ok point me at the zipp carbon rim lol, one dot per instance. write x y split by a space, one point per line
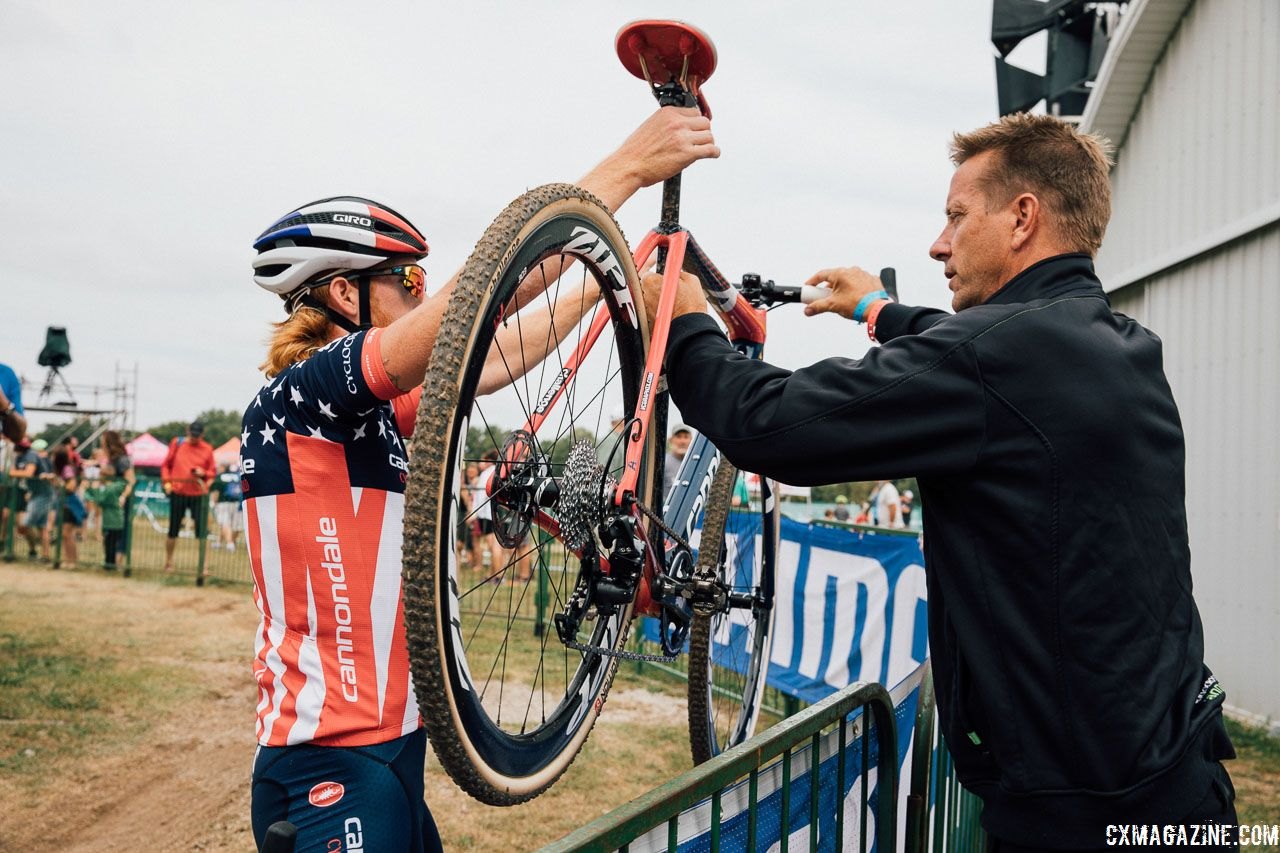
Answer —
507 706
729 652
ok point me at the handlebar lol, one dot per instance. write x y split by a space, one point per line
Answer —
767 294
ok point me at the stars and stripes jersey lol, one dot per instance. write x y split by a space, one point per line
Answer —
323 462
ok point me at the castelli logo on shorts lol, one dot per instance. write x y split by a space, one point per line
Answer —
326 794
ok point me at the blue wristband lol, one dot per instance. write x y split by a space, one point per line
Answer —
861 309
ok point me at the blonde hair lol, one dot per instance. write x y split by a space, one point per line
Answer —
1066 169
295 339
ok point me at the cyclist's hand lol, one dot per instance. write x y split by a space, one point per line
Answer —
848 286
689 297
667 142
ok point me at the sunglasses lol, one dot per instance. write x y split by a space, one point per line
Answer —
413 278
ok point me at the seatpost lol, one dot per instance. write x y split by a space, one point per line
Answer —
671 94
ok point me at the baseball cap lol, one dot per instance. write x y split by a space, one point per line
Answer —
196 428
39 444
841 499
681 428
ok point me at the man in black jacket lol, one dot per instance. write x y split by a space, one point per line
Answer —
1067 648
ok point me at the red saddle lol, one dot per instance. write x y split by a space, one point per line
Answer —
662 51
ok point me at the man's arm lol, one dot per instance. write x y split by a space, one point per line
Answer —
852 287
913 408
667 142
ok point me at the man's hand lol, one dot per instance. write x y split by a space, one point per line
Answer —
848 286
668 141
690 298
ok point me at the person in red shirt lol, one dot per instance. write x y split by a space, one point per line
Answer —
187 471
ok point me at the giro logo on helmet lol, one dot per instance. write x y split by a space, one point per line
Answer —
351 218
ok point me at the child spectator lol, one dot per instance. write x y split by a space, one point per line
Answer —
109 494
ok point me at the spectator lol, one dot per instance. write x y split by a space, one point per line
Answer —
67 476
908 504
1067 648
185 476
864 513
228 510
32 467
888 511
13 420
465 542
120 465
108 492
677 447
842 508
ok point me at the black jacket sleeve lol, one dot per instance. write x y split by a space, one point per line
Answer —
914 407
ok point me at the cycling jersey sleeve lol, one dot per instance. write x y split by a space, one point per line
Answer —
342 380
406 408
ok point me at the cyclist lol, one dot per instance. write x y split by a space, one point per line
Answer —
341 746
1067 648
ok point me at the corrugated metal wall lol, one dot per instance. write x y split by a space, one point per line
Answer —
1196 202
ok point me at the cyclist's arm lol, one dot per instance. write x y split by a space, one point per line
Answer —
15 424
663 145
915 407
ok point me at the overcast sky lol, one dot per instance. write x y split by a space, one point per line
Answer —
145 145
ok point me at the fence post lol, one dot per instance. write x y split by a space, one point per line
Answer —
127 568
202 535
540 592
10 503
57 524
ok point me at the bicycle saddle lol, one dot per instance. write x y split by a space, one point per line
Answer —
662 51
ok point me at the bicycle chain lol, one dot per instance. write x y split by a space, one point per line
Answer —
620 653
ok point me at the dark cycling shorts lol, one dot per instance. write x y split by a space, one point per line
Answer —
362 798
178 505
486 526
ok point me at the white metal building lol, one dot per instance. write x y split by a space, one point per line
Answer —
1190 94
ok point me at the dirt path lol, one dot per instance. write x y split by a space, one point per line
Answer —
169 767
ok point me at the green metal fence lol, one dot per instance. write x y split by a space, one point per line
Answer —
205 548
940 814
784 743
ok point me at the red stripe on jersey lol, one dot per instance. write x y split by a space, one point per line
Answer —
342 558
375 373
406 409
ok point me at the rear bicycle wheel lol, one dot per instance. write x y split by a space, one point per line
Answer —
729 651
506 704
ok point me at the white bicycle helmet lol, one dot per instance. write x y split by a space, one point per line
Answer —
329 237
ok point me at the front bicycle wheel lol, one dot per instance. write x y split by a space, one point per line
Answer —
506 704
729 650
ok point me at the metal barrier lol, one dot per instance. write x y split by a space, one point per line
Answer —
620 827
940 814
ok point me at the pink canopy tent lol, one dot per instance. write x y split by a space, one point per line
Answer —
227 453
147 451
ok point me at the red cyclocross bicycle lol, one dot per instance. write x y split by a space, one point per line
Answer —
512 658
